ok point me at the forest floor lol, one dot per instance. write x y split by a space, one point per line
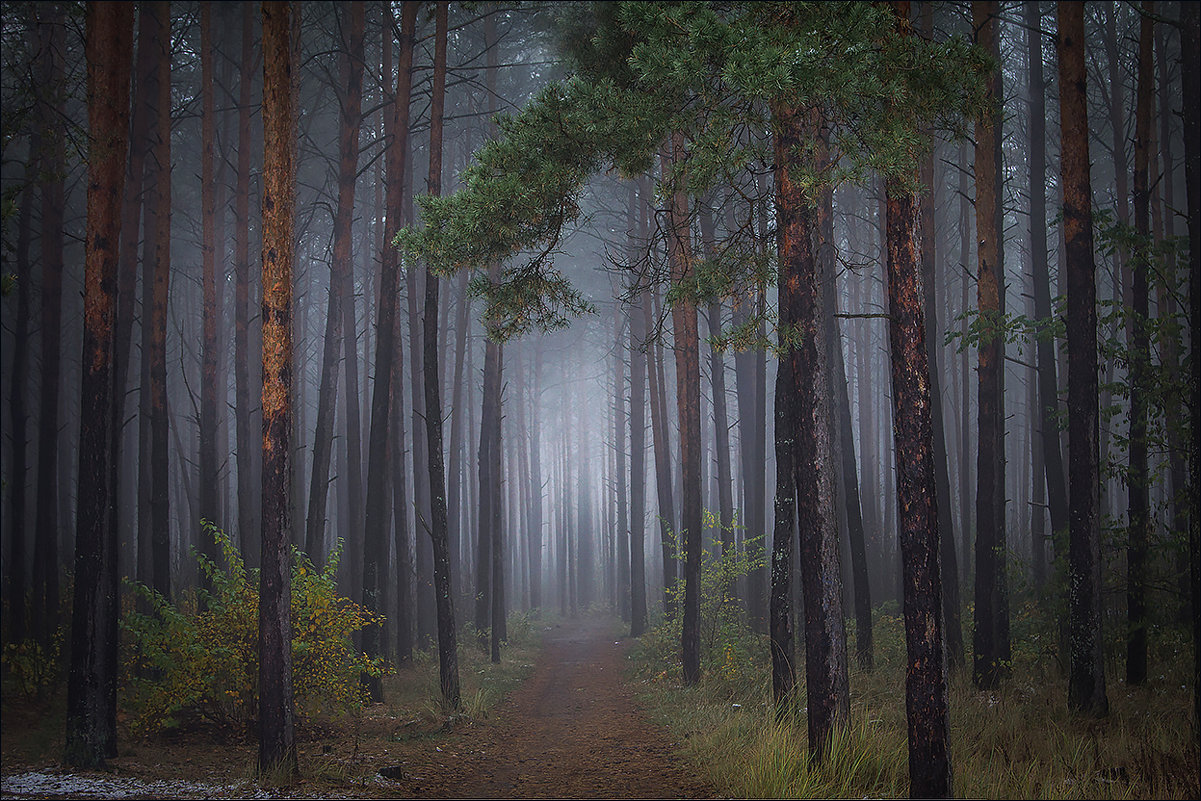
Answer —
573 728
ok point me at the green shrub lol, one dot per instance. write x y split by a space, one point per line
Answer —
200 656
33 667
730 650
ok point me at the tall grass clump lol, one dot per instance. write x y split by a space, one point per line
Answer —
1019 741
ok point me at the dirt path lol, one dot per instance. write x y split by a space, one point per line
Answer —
572 730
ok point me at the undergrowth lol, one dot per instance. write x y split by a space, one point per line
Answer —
1019 741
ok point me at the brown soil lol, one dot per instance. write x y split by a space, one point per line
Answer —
572 730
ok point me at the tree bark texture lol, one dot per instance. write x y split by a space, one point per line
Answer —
990 640
53 168
803 344
341 277
1138 529
926 702
1048 384
379 488
91 691
1086 679
688 400
277 743
448 661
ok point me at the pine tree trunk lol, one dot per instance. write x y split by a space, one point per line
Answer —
687 351
341 276
990 640
1048 384
14 578
843 436
208 370
1140 358
249 447
1190 47
53 166
1086 682
620 415
803 344
379 490
91 691
277 744
447 650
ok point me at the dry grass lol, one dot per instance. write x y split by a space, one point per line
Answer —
1017 742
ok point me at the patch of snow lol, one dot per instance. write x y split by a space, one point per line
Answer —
42 784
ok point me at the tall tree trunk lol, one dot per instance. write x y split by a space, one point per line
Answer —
400 508
53 166
638 349
1086 682
14 579
536 488
721 425
916 415
965 439
1190 47
154 517
990 640
378 506
123 324
662 455
91 721
803 344
917 504
843 436
496 511
1140 357
208 369
948 571
447 650
249 447
621 586
688 391
277 743
340 278
1048 384
781 623
1164 226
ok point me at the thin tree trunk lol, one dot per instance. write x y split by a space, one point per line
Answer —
1190 47
340 278
15 580
249 448
53 161
1140 358
843 435
447 650
378 506
208 371
156 284
638 348
1086 683
990 640
91 692
1048 385
688 391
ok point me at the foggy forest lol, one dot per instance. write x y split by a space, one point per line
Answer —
600 399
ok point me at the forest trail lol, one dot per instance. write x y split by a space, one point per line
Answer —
572 730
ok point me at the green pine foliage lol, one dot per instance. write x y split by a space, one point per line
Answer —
199 657
710 70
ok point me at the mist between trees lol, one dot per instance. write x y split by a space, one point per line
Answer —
556 306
